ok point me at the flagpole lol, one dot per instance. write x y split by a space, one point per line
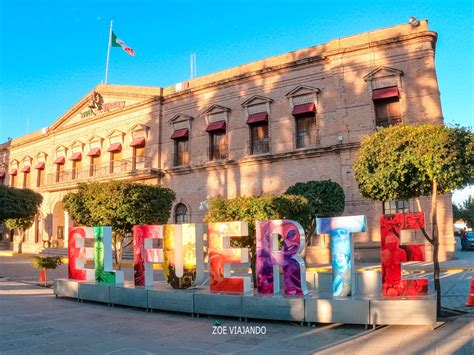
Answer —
108 54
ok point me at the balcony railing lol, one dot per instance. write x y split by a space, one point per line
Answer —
305 138
259 146
105 170
219 152
388 121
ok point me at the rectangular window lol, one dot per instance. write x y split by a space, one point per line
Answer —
181 152
94 166
218 146
398 206
12 180
115 161
138 159
305 131
2 180
259 142
76 169
26 180
59 172
387 112
39 177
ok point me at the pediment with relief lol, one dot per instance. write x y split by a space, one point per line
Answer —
96 104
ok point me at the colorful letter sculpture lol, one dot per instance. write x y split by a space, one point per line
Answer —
183 254
103 257
221 255
342 249
270 258
394 254
144 254
78 253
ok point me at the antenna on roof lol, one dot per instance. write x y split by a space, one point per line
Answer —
193 65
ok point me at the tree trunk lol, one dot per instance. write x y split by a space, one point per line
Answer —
435 238
253 264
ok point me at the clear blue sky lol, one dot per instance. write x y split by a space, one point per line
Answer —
52 53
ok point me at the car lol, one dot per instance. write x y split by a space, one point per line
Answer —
470 239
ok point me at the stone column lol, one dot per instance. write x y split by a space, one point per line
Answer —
66 228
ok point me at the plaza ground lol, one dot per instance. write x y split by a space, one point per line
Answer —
32 320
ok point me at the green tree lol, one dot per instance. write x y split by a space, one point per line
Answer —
457 215
18 208
325 198
466 212
257 208
18 203
403 162
120 205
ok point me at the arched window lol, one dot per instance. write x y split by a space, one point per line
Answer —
180 213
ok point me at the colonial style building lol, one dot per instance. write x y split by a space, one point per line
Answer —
253 129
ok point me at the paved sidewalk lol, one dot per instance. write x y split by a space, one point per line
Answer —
33 321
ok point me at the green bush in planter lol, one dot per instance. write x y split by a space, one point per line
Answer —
46 262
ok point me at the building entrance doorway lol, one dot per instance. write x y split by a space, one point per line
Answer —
58 226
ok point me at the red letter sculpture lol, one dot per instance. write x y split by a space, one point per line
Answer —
221 255
394 254
144 254
78 252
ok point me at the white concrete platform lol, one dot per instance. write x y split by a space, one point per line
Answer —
317 307
218 304
66 288
406 311
89 291
276 307
165 298
128 295
324 308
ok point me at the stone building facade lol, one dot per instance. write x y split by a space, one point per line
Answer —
254 129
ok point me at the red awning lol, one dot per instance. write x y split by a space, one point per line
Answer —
180 134
94 152
13 172
257 117
138 142
60 160
2 174
115 148
216 126
40 166
26 169
304 108
76 157
385 93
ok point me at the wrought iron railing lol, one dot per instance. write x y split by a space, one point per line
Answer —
219 152
306 138
388 121
259 146
103 170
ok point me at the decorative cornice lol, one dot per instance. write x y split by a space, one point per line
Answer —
267 158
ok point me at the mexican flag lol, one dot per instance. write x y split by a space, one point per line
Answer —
117 42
